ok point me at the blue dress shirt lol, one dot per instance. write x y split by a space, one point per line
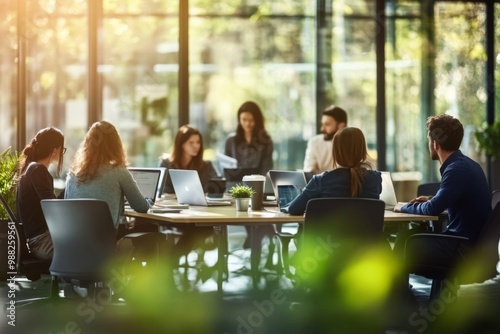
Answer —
464 192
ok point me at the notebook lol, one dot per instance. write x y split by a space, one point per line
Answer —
149 180
285 177
388 195
188 189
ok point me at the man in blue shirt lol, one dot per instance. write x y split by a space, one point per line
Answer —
464 191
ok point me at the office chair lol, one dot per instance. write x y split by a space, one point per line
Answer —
83 235
26 264
349 222
460 264
428 189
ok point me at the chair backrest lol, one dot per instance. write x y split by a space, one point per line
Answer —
495 197
83 235
428 189
345 218
484 256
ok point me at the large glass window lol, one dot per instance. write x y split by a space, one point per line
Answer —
258 51
139 71
56 69
460 67
8 79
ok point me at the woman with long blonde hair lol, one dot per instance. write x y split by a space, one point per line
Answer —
99 171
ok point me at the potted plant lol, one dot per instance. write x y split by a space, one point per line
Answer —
8 167
488 139
241 195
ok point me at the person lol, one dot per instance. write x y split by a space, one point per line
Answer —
318 157
352 176
188 154
251 145
99 171
36 183
464 192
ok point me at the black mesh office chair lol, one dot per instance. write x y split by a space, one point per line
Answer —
460 265
25 264
84 236
349 222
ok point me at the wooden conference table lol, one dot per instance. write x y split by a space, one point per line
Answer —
221 216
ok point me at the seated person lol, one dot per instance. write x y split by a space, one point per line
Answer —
34 184
188 154
100 171
463 192
352 176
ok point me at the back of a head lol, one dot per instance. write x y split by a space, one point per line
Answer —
102 146
445 130
337 113
41 146
349 147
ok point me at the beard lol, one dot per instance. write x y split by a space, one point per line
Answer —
434 155
328 136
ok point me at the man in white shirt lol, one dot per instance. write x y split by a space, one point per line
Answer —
319 148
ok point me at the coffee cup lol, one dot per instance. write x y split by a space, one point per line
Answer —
257 183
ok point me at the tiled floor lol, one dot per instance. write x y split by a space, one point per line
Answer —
190 304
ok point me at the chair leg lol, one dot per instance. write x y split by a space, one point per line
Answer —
436 288
286 258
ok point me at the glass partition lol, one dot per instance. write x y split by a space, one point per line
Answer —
139 71
263 53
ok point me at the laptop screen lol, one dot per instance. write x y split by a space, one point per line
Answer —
388 194
285 177
148 180
287 193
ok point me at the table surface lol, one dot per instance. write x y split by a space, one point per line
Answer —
223 215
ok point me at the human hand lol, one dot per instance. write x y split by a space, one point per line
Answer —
420 199
397 207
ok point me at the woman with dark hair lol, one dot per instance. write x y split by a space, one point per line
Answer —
251 145
352 175
100 171
188 154
36 183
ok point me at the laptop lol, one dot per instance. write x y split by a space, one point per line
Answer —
188 189
286 194
149 180
285 177
388 194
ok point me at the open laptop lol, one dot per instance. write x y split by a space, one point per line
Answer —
286 177
188 189
286 194
149 180
388 194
